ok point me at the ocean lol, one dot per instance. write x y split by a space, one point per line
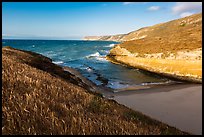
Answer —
88 57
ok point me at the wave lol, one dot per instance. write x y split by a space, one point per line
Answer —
89 69
110 46
103 58
58 62
116 85
104 51
160 83
51 54
97 56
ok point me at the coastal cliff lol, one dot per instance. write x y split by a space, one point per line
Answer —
173 49
39 97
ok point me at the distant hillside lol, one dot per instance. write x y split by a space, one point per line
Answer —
39 97
106 38
162 29
173 48
181 34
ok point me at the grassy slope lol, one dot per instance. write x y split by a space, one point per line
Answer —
176 35
38 97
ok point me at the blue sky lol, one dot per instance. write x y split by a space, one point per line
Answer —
74 20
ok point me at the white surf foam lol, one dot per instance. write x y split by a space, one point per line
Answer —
111 45
104 51
97 54
58 62
117 85
157 83
101 58
89 69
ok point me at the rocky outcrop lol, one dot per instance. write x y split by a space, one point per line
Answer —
173 49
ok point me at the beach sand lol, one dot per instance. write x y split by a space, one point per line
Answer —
176 105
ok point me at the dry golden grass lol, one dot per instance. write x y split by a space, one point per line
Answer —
168 37
38 97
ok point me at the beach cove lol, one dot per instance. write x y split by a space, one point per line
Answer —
39 97
102 68
158 99
178 105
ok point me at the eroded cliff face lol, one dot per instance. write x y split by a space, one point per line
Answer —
173 49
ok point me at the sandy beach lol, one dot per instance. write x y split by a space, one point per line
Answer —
179 105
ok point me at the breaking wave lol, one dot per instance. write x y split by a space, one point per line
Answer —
97 56
58 62
110 46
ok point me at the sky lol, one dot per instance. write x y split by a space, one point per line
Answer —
74 20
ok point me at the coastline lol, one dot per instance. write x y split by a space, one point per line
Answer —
64 86
151 65
178 105
141 74
91 86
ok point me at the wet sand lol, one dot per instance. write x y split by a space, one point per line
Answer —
178 105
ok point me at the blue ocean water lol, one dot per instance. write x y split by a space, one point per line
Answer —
88 57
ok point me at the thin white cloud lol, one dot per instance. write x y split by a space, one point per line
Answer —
3 35
184 14
127 3
187 8
130 3
154 8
